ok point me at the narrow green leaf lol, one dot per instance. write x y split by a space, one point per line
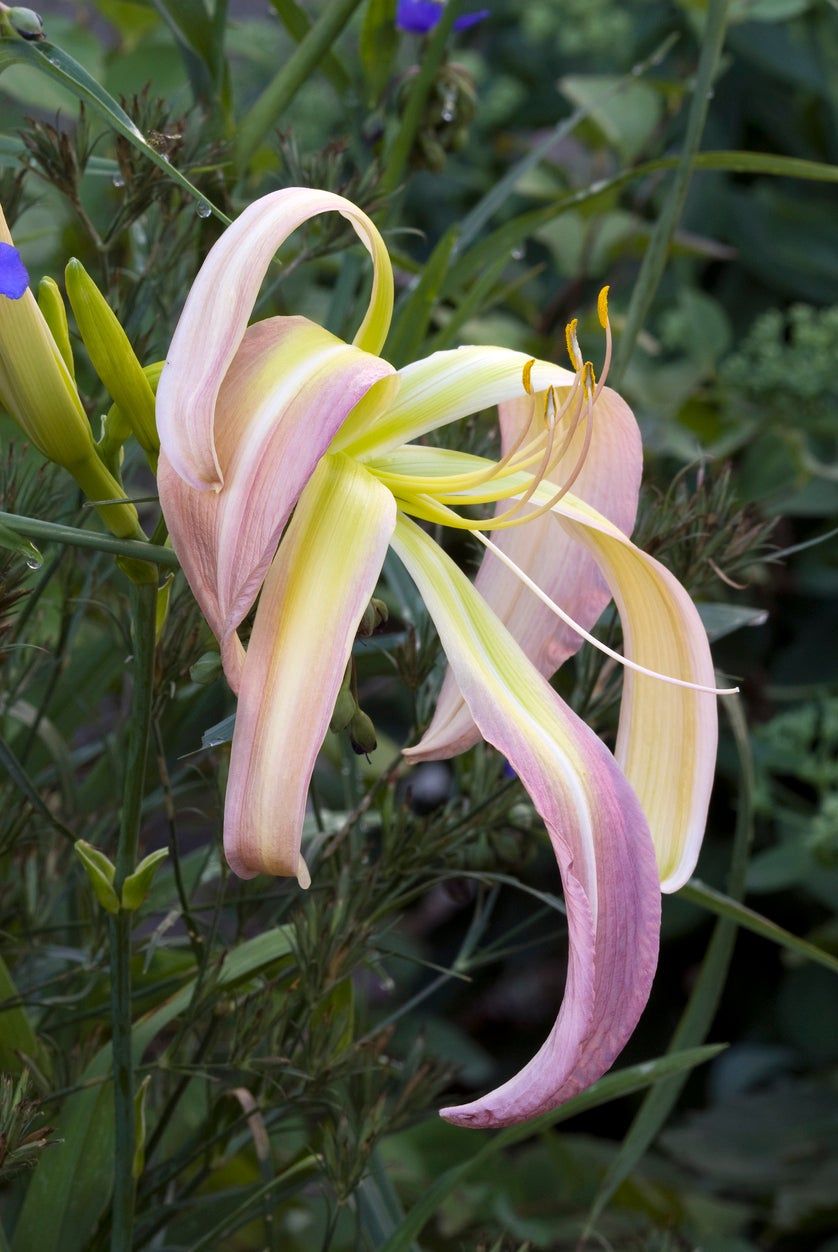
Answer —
414 312
59 66
24 784
17 1036
521 227
620 1083
698 1015
274 100
298 23
655 256
727 907
71 1185
378 45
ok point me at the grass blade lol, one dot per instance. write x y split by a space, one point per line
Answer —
655 258
727 907
414 312
704 1000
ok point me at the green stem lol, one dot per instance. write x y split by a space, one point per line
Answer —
299 67
654 262
54 532
399 153
143 605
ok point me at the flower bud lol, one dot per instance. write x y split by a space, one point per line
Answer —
206 669
112 356
345 705
39 392
55 315
362 734
25 23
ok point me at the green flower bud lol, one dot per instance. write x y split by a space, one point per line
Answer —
112 356
362 734
51 305
24 22
345 710
206 669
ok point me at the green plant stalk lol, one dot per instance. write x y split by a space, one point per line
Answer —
282 89
143 608
399 152
654 262
74 537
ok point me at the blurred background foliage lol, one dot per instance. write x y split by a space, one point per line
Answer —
292 1050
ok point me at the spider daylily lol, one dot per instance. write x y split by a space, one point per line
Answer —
281 420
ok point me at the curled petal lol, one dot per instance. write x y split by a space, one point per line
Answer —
286 392
314 597
215 316
667 735
563 568
596 826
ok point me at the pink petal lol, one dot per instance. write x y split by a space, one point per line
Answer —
218 308
553 558
286 392
314 597
596 826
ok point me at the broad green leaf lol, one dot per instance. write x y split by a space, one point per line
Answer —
723 619
72 1183
620 1083
59 67
627 120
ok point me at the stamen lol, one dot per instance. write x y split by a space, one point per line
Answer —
580 630
573 344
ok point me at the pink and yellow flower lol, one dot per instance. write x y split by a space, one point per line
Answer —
290 463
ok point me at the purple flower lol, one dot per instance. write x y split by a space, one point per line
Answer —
420 16
13 276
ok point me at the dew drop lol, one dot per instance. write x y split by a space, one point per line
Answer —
118 181
518 253
203 209
34 562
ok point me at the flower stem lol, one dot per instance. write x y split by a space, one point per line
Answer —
143 604
54 532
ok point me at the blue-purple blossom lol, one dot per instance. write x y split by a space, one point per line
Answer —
420 16
13 276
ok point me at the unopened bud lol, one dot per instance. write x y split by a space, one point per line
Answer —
345 710
362 734
112 356
375 614
206 669
51 305
25 23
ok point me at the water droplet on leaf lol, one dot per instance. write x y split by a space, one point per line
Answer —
118 181
203 209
